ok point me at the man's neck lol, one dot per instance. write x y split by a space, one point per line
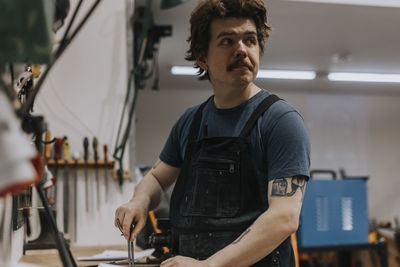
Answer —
228 97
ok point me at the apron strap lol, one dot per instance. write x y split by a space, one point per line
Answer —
261 108
195 126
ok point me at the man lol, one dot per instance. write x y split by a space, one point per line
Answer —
240 160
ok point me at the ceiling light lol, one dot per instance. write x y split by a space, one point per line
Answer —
267 74
364 77
286 74
385 3
183 70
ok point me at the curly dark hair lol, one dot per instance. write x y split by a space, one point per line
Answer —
209 10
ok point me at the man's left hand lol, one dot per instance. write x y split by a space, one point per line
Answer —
180 261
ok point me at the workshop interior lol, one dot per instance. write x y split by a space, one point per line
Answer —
89 91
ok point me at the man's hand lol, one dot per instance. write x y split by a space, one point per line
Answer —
147 196
130 213
180 261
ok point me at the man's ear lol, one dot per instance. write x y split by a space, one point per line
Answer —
201 61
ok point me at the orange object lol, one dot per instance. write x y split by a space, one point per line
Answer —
156 230
35 70
47 139
293 239
372 236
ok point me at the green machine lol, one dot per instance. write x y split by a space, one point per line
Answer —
171 3
26 31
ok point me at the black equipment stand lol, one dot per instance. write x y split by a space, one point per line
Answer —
62 246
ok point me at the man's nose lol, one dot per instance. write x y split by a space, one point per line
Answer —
240 50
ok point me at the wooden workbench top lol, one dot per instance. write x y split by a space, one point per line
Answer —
50 258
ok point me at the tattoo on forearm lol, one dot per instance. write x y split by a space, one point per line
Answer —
299 182
280 187
241 236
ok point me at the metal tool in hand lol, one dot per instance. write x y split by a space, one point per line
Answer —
131 246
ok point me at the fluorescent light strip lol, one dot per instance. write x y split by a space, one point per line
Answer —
364 77
267 74
382 3
286 74
183 70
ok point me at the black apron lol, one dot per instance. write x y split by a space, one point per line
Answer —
216 196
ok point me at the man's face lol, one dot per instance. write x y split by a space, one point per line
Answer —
233 52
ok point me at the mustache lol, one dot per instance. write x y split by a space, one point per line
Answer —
238 63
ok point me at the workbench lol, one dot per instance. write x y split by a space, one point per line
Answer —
50 258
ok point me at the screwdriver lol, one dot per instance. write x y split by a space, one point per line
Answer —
95 145
66 183
76 158
105 148
47 152
85 158
57 156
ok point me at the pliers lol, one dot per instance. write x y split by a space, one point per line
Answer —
131 246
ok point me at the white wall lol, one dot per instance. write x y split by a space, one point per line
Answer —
356 132
83 96
384 156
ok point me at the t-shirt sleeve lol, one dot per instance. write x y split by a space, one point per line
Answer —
170 154
288 147
174 149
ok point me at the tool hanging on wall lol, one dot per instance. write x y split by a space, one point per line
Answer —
95 145
48 178
47 148
105 151
65 150
90 166
75 204
57 156
85 158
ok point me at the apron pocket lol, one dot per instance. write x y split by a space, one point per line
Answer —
214 193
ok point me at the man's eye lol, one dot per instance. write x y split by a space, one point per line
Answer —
226 41
251 41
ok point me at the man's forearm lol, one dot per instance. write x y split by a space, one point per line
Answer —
148 192
154 184
256 242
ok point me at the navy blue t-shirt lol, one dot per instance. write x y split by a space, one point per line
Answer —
279 141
